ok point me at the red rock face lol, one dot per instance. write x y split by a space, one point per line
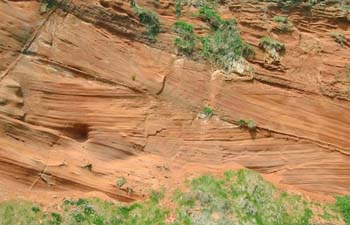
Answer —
80 86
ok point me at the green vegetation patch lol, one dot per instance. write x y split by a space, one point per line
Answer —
26 213
210 16
273 47
347 72
280 19
343 206
343 4
283 24
149 19
268 44
239 197
186 41
285 5
288 5
339 38
85 212
180 4
46 5
198 3
208 112
250 124
225 47
121 181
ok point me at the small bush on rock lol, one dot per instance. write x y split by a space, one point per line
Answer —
210 15
185 43
283 24
121 181
208 112
46 5
225 47
273 47
250 124
150 20
339 38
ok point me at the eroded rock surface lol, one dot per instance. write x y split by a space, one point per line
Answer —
84 99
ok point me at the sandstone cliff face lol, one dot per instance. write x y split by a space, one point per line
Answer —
84 99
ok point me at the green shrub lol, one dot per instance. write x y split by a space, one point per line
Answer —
150 20
95 212
272 47
206 47
81 201
184 47
283 24
197 3
268 44
121 181
280 19
56 219
250 124
178 7
345 5
182 28
208 112
35 209
239 197
339 38
185 43
285 5
46 5
225 47
347 72
156 196
210 16
19 212
343 205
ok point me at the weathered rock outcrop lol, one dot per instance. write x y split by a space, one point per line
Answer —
85 99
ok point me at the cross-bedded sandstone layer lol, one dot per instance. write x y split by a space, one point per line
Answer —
84 99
